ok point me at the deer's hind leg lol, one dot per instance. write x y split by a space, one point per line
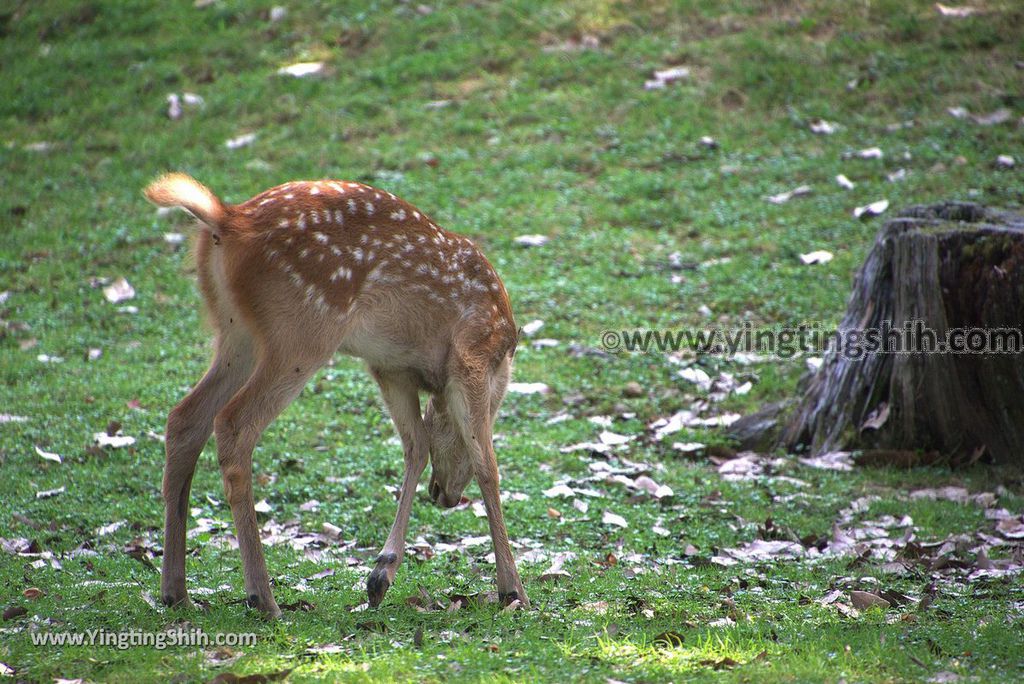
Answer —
282 369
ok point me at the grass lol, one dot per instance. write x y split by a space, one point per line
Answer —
531 135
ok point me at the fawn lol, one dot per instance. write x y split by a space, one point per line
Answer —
309 268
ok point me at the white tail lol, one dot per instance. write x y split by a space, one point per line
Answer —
304 270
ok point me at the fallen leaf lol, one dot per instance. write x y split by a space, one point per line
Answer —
697 376
656 490
111 528
116 441
862 600
822 127
49 456
609 518
532 327
173 107
243 140
664 77
614 439
784 197
302 69
997 117
1005 161
118 291
562 490
870 153
896 176
820 256
531 240
873 209
955 12
833 460
672 424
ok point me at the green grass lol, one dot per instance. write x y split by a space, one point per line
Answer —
534 139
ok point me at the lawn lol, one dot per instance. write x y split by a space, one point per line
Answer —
500 120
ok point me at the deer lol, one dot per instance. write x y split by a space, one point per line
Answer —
303 271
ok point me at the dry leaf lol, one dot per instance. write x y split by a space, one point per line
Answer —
49 456
845 182
862 600
115 441
533 326
819 256
822 127
49 493
302 69
784 197
531 240
955 12
118 291
243 140
873 209
609 518
664 77
562 490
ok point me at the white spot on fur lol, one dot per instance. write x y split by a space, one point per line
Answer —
314 190
369 208
398 215
301 222
352 206
335 250
357 254
321 238
339 217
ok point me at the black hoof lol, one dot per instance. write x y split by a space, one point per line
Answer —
376 586
173 601
507 598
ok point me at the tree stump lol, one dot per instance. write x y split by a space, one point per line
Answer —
942 268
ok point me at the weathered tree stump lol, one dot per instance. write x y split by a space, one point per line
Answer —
945 267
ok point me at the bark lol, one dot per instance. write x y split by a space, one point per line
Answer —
948 266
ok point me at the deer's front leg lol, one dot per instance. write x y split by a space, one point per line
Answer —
400 395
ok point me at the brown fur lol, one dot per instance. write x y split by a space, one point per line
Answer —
306 269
